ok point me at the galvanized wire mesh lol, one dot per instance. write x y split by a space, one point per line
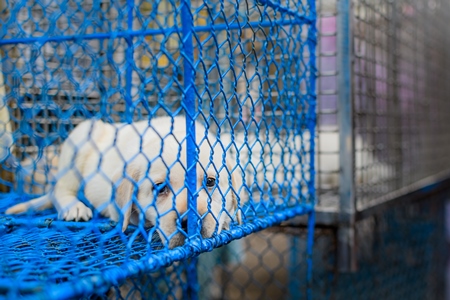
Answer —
226 92
400 94
399 71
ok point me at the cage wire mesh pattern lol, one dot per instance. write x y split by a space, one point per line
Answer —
400 95
398 88
172 127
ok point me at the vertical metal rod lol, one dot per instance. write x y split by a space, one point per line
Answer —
346 259
394 108
189 105
294 263
129 60
309 253
312 44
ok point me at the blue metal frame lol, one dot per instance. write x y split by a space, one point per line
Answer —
130 59
189 104
312 44
114 275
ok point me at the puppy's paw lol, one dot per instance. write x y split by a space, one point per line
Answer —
76 212
17 209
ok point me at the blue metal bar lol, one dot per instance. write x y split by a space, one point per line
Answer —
149 32
129 61
190 107
312 44
294 278
309 254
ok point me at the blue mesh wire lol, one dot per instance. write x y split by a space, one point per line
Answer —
243 71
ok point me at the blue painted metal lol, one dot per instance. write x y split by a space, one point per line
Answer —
115 256
312 46
130 62
309 254
20 231
151 32
294 278
189 104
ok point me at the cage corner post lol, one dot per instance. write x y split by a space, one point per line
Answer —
346 247
295 287
312 45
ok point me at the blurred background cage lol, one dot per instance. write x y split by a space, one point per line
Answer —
244 69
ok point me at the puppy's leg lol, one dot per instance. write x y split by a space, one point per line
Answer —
37 204
73 210
64 197
69 207
75 152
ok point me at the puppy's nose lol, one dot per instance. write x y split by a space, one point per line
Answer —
184 224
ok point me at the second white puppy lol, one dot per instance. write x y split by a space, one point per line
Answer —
103 161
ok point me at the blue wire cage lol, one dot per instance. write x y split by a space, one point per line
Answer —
237 76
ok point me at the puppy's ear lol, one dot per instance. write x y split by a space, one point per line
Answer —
236 181
124 193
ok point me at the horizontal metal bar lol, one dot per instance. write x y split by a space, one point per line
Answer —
149 32
412 192
328 216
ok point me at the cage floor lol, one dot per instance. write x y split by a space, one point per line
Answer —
38 253
43 258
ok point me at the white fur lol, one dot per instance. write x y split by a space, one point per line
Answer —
103 160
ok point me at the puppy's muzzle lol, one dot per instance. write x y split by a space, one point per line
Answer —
179 238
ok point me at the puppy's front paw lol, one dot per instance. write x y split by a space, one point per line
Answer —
76 212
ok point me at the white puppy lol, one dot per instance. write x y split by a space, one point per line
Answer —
101 161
